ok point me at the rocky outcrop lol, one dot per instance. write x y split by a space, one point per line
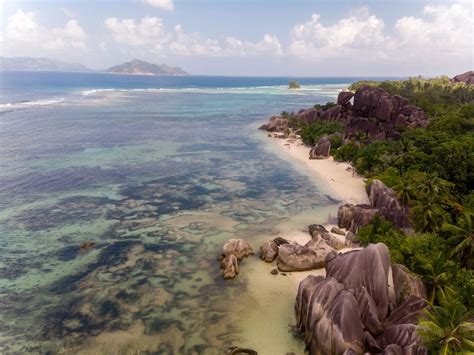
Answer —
296 257
275 124
353 310
383 202
374 114
321 149
354 217
467 78
406 283
344 98
233 252
269 249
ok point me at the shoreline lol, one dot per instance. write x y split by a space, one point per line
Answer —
337 177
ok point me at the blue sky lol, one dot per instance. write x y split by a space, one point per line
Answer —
273 37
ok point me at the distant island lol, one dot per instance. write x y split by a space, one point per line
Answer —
39 64
137 66
294 85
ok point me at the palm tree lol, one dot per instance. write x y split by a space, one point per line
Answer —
444 329
428 214
405 193
437 272
433 186
462 239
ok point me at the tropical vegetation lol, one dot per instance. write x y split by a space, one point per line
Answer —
432 172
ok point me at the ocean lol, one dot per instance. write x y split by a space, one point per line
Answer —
158 172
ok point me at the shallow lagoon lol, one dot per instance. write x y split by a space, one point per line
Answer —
159 180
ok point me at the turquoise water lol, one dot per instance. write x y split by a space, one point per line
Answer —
158 175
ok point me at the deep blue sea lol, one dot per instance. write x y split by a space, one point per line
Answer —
158 172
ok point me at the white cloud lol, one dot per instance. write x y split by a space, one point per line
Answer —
22 26
147 31
150 33
443 30
23 33
162 4
439 40
358 31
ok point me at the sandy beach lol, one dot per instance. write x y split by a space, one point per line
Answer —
338 177
273 296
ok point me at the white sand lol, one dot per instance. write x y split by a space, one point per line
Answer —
337 177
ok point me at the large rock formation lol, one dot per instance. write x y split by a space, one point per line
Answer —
383 202
354 217
296 257
375 114
355 309
233 252
467 77
321 149
269 249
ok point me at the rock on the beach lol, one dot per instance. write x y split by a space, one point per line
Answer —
333 241
238 247
353 310
314 229
268 251
321 149
275 124
296 257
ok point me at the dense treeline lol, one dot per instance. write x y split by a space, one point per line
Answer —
432 171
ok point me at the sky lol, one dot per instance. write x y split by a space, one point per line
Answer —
244 37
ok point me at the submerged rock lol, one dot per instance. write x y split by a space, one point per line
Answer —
238 247
353 310
229 266
233 252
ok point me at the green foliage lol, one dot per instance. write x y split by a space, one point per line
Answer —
347 152
310 133
432 172
294 84
444 329
325 106
461 239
